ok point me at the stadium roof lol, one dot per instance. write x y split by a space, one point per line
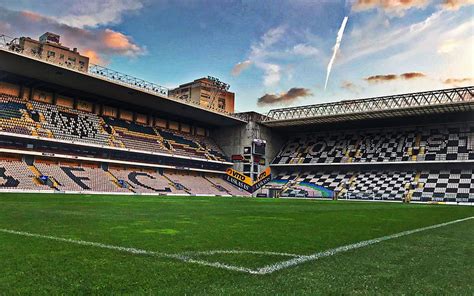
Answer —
99 82
404 105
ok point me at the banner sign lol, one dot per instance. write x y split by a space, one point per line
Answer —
262 179
244 182
238 179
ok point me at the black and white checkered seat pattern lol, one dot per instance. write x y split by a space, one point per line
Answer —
448 142
73 125
384 185
384 146
330 180
282 178
445 184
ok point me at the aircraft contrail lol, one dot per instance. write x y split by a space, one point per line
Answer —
335 49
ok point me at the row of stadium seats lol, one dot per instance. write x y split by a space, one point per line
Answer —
197 184
134 136
145 182
52 121
432 185
13 116
222 185
72 125
427 143
16 174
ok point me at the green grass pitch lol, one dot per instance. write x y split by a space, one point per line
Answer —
194 231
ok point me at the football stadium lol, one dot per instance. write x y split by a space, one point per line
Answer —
110 184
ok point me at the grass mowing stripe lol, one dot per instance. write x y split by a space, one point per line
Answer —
296 261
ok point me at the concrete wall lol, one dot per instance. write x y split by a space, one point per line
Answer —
233 140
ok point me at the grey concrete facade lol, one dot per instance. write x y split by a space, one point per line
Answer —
234 139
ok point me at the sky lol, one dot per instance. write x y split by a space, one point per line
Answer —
273 54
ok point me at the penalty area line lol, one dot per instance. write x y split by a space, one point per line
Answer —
297 261
186 257
134 251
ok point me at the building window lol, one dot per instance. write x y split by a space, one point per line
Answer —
51 54
221 103
204 103
61 56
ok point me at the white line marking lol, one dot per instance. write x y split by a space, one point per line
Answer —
296 261
213 252
130 250
299 259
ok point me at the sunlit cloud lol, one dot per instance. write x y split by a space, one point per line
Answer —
286 98
99 44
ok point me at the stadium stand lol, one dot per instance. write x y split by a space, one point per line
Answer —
145 181
70 177
78 177
383 185
133 140
195 184
14 116
436 142
425 185
52 121
225 187
135 136
15 174
72 125
193 146
445 184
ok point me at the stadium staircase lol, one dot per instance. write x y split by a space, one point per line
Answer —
416 184
116 181
38 174
218 187
177 186
290 183
113 141
351 182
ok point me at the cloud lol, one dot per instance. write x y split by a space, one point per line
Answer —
351 87
120 43
458 81
391 77
272 73
94 57
449 45
304 50
374 37
268 59
455 4
271 37
94 13
412 75
100 44
240 67
259 52
285 98
381 78
394 7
